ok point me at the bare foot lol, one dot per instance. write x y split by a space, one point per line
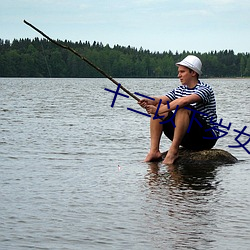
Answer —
170 157
153 156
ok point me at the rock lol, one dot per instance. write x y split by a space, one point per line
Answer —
204 157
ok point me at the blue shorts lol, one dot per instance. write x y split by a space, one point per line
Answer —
194 138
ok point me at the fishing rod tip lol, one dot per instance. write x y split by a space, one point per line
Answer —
26 22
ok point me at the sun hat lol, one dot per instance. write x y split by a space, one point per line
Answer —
191 62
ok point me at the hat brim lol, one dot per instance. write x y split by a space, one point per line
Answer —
190 66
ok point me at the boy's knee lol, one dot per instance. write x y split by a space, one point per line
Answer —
183 111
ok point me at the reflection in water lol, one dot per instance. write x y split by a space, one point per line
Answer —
183 177
183 196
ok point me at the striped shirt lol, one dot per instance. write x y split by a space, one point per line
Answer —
207 106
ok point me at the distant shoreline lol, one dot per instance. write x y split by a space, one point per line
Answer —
41 58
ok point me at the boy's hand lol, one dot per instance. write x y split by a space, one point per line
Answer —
151 109
145 102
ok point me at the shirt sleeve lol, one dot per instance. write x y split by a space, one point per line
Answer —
171 95
205 94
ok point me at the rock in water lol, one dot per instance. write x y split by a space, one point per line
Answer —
204 157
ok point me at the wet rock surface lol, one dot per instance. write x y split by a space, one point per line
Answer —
204 157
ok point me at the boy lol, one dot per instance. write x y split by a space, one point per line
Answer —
194 117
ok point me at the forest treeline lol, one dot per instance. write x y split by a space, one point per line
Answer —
41 58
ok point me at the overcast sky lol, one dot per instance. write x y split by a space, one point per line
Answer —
157 25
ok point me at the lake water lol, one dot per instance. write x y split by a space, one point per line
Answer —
72 176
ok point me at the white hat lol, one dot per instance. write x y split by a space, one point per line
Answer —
191 62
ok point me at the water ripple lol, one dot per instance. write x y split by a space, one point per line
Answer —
72 175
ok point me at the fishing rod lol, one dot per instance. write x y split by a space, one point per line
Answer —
84 59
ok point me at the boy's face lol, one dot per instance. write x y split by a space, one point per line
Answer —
185 75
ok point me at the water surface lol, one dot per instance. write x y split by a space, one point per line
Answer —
72 175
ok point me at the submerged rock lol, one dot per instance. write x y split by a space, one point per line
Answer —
204 157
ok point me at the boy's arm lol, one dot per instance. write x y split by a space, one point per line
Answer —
180 102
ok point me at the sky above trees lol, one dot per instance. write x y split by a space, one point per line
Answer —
157 25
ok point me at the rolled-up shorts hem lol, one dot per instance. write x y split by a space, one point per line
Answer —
194 139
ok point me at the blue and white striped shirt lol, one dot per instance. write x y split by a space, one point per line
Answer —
207 106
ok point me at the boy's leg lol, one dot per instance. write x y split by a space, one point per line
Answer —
155 136
182 120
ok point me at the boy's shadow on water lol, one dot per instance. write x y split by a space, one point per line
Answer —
194 177
185 201
182 198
